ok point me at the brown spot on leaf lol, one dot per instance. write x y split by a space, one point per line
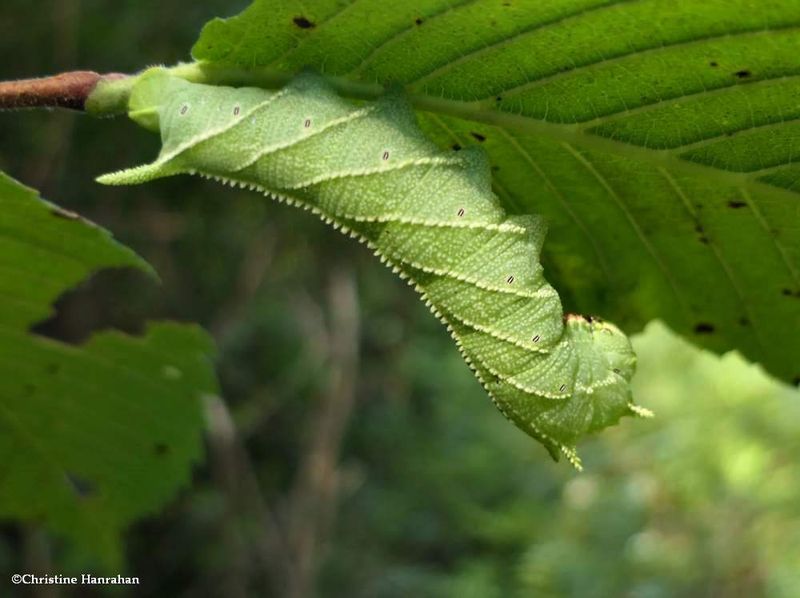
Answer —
713 63
743 74
418 21
303 22
456 147
704 328
698 228
478 136
734 204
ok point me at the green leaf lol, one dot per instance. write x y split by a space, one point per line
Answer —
657 137
96 435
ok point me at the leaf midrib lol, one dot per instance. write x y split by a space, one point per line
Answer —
477 111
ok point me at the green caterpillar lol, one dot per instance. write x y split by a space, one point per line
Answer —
430 215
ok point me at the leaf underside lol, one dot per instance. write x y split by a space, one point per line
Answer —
96 435
657 138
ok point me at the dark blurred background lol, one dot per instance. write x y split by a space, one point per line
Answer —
357 456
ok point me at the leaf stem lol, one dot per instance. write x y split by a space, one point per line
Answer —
67 90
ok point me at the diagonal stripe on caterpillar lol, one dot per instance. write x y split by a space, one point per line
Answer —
430 215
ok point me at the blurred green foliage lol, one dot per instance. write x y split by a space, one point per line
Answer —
94 436
702 500
434 493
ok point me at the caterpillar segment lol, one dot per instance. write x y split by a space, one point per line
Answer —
431 215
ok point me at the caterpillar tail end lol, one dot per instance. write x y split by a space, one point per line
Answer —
572 456
137 175
640 411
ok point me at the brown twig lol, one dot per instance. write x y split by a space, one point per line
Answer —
253 537
67 90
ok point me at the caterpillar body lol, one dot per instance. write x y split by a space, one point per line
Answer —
430 215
